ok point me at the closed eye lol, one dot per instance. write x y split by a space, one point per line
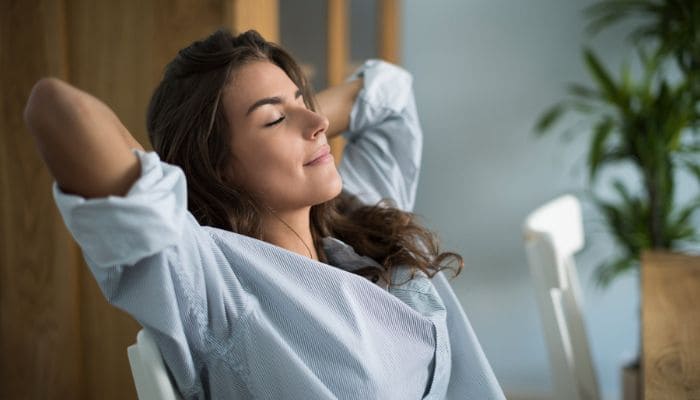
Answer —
275 122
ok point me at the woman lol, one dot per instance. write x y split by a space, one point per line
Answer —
233 245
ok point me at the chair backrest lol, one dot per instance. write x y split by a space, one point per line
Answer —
150 376
553 234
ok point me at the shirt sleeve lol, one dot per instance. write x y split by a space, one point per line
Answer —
382 155
151 259
117 230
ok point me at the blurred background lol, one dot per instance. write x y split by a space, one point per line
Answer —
484 71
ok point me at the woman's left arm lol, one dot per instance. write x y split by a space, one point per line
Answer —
382 155
336 103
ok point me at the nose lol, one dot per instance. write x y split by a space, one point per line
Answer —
316 124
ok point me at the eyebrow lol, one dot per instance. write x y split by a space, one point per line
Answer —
269 100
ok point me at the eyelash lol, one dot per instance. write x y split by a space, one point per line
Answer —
280 119
275 122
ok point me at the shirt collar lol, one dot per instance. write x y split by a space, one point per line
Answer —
343 256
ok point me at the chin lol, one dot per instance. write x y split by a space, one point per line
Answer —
330 191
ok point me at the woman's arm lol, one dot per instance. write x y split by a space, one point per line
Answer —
336 103
382 155
82 142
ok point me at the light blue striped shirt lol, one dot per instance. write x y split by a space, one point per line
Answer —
239 318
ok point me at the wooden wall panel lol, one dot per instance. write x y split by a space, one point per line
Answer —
261 15
39 317
338 49
178 23
389 22
106 58
58 336
118 52
338 41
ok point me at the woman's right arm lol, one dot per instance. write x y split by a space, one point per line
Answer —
128 212
83 143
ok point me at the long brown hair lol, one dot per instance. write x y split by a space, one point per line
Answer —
187 127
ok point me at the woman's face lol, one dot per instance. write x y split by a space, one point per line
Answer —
279 147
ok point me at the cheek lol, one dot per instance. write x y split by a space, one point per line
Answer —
266 166
272 171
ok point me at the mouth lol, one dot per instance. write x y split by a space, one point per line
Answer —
321 156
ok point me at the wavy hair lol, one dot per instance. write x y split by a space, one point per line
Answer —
187 127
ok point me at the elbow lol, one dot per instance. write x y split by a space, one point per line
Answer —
42 101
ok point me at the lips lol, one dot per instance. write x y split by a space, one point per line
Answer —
320 155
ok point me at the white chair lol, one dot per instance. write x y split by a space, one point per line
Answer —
150 376
553 234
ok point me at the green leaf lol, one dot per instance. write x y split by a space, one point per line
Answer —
581 107
615 155
679 226
626 76
597 151
627 220
605 13
596 25
602 77
690 148
686 212
620 226
581 91
607 271
622 192
693 168
644 32
552 115
674 130
650 65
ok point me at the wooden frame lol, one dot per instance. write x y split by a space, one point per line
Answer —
338 44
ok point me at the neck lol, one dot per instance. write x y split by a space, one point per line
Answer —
290 230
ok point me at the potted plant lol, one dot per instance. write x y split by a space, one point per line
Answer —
649 120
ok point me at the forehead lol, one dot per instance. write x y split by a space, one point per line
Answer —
254 81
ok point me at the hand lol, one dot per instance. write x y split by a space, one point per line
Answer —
336 103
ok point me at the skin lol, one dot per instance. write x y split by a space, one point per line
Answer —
272 142
84 145
90 154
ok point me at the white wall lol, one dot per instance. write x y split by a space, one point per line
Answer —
484 70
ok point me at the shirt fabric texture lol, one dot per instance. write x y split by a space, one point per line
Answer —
239 318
